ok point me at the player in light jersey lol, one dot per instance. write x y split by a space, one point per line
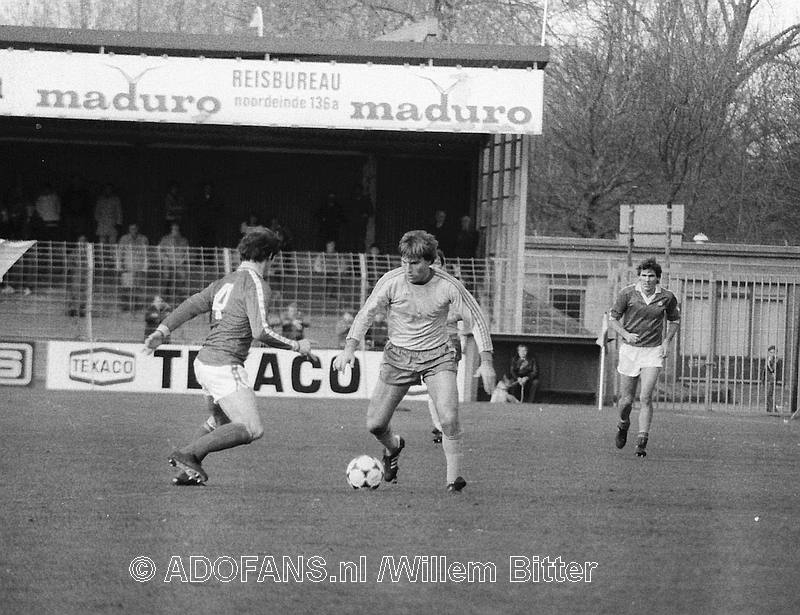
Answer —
638 317
417 299
238 305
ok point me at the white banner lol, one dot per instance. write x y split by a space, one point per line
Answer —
271 372
270 93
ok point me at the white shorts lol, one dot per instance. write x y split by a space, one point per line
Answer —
219 381
633 358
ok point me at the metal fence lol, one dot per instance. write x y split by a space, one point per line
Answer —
100 292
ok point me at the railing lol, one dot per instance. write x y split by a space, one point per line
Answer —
101 291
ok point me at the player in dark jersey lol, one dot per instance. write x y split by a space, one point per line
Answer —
238 306
638 318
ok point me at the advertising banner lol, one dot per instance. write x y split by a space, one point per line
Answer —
270 93
272 373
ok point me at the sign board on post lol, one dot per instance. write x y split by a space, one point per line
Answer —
650 225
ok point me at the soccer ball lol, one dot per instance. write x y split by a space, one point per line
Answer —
364 472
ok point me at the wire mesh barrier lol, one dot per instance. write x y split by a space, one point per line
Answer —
101 292
721 358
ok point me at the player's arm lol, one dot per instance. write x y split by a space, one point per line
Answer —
464 303
377 300
615 315
673 324
256 307
197 304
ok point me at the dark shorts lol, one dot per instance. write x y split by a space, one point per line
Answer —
401 366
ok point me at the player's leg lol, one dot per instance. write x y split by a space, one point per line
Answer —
627 391
244 426
649 378
437 424
385 399
443 390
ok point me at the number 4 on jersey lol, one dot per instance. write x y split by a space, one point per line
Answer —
221 300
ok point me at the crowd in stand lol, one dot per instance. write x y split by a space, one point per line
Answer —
78 216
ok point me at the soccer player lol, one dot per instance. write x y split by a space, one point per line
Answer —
238 304
638 317
417 299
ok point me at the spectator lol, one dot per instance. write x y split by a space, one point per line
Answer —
132 264
293 324
250 225
343 326
284 234
770 380
330 218
378 333
363 213
524 375
329 265
31 224
78 276
156 312
210 212
466 240
107 215
7 230
174 206
48 206
377 264
77 209
442 230
173 253
500 395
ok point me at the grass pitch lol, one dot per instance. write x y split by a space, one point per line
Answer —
705 524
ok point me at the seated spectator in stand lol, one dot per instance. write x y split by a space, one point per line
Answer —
173 253
378 333
132 263
48 205
500 395
343 326
524 375
78 277
157 311
293 324
209 212
107 215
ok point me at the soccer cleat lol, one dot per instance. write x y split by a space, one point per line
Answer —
183 480
189 464
457 485
437 436
641 443
622 435
390 463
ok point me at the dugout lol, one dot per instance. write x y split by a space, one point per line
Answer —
276 125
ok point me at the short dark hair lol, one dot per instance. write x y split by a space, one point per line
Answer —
259 245
651 264
419 244
772 347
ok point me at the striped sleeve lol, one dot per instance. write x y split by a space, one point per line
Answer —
464 303
197 304
256 305
378 300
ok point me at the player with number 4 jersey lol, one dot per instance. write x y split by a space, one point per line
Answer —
238 305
